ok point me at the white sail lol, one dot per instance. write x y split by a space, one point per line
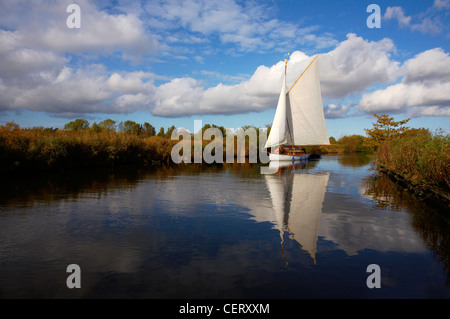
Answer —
278 132
305 110
299 118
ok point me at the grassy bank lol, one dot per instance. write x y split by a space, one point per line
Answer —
420 158
47 149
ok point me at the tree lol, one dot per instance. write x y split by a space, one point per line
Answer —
161 132
384 129
148 129
169 131
109 125
352 143
95 128
131 127
78 124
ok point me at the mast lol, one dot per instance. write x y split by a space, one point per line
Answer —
287 122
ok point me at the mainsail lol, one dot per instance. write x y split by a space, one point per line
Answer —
299 118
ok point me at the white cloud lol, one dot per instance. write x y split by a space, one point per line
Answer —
430 23
350 68
333 111
428 26
435 110
130 83
36 73
431 65
245 26
398 14
356 64
42 25
441 4
424 89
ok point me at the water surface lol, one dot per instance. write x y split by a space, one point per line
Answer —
224 231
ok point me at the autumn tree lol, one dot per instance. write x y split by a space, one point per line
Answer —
109 125
384 130
78 124
168 134
131 127
161 132
95 128
148 129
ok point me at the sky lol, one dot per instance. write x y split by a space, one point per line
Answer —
222 61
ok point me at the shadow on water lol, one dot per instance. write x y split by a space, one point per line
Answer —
431 224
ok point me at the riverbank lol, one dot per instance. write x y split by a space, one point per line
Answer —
420 162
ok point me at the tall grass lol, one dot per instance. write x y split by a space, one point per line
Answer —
421 157
43 149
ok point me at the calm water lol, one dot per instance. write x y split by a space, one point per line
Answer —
308 231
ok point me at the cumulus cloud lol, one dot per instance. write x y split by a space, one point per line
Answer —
36 71
423 90
356 64
42 25
333 111
36 47
350 68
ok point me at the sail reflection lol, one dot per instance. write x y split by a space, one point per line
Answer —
297 198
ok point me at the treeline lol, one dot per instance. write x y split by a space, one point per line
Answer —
128 127
80 145
347 144
83 145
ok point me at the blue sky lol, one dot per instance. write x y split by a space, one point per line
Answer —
173 62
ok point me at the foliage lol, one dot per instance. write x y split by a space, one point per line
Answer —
78 124
420 157
43 149
347 144
383 130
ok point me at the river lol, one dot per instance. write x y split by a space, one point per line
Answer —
221 231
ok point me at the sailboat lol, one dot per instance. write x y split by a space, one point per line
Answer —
299 119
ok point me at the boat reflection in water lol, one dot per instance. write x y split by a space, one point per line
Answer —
297 198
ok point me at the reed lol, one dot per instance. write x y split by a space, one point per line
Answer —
44 149
420 157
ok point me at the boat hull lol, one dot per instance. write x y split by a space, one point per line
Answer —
285 157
